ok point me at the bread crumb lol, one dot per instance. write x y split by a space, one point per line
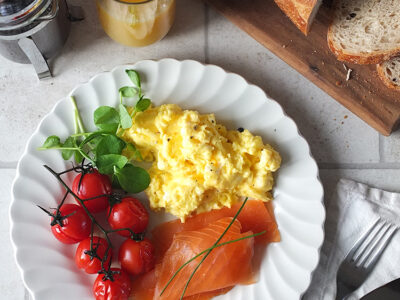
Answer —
323 63
348 74
338 83
345 116
284 46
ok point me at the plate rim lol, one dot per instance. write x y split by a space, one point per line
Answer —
91 79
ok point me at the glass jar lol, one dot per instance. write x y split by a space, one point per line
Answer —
136 23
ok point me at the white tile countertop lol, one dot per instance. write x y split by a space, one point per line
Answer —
343 145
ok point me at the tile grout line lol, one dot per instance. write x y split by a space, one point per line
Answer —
206 21
380 148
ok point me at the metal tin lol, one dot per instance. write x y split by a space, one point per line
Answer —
35 33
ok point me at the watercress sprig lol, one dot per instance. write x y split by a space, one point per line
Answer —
103 148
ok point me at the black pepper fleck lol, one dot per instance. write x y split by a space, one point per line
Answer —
191 137
168 139
240 129
195 127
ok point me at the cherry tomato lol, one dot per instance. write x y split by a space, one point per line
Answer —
90 260
92 185
117 289
137 257
71 225
129 213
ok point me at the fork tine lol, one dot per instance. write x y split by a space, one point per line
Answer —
358 244
373 240
371 262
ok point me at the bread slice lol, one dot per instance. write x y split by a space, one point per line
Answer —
389 72
301 12
365 31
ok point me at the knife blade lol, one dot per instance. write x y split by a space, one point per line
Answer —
390 291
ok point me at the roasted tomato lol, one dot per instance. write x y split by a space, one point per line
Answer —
137 257
93 185
90 259
71 224
116 287
129 213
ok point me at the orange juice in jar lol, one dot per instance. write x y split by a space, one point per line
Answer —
136 23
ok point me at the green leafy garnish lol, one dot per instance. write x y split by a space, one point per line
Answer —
135 78
103 148
52 141
107 162
128 91
126 119
69 143
106 118
142 104
132 179
110 144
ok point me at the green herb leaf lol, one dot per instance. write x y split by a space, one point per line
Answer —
66 153
94 136
142 104
135 77
132 179
134 153
106 163
128 91
126 120
106 118
109 144
78 157
52 141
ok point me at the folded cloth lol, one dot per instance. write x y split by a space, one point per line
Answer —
354 208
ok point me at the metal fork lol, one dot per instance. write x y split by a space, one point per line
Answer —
362 258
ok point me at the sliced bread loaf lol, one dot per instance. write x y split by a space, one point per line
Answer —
389 72
301 12
365 31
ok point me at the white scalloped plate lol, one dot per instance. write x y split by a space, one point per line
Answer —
47 266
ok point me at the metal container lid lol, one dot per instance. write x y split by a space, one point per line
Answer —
20 15
12 7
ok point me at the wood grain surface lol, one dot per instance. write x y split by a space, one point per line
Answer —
364 93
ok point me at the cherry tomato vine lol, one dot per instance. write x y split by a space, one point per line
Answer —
113 198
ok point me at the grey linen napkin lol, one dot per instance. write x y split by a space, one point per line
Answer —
354 208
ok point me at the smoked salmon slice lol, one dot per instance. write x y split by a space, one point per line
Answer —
256 216
225 267
144 285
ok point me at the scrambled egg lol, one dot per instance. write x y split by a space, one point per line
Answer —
199 165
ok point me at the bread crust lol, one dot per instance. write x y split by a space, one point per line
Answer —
299 12
383 77
376 57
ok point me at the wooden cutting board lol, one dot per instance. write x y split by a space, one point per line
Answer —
364 94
